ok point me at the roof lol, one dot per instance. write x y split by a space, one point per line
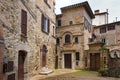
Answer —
83 4
59 15
101 13
118 22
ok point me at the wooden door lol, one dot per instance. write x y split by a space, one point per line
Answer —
94 61
67 61
1 51
43 59
21 59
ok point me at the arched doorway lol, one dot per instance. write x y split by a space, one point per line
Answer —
44 54
21 58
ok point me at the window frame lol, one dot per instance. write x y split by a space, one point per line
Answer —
77 54
111 27
76 40
103 30
45 24
58 23
58 41
70 22
67 39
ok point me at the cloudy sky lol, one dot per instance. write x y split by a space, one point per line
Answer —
113 6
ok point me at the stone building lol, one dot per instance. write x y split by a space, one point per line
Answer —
104 41
29 37
109 34
73 30
100 18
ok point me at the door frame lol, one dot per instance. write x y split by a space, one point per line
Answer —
94 55
72 64
23 54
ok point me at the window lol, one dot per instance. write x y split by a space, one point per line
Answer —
85 61
111 27
45 24
103 30
24 22
103 40
58 41
105 60
70 22
76 39
59 22
53 30
77 58
67 39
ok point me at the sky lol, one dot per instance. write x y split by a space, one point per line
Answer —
113 6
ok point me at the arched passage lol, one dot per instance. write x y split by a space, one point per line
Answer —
21 58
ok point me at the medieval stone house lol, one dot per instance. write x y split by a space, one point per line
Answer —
103 43
73 30
109 34
29 37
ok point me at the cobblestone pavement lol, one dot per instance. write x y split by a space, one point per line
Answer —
71 75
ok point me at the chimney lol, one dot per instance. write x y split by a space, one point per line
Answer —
97 11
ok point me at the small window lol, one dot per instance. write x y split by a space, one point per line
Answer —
105 60
76 39
45 24
103 40
85 61
70 22
67 39
59 22
103 30
111 27
77 56
58 41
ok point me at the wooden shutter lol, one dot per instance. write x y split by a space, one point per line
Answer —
24 23
42 22
48 25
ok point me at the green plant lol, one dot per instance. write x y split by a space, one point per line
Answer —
103 71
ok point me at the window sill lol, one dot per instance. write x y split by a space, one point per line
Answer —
45 32
75 42
67 43
23 35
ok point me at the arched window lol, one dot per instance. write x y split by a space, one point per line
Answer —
76 39
67 38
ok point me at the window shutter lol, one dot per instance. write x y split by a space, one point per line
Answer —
48 25
42 22
24 23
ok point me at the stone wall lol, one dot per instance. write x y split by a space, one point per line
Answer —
11 17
